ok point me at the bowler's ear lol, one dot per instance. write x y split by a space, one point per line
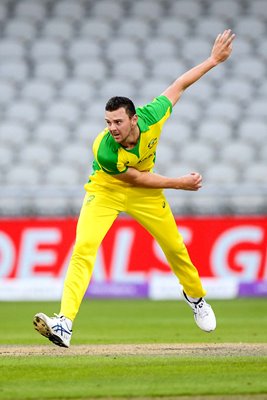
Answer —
135 118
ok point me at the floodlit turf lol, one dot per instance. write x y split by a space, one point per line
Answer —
142 321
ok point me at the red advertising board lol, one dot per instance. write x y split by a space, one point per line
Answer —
218 246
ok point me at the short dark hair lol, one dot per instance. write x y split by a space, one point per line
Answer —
117 102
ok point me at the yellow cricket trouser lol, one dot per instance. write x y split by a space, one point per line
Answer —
100 208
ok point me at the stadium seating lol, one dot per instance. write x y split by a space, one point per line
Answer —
61 60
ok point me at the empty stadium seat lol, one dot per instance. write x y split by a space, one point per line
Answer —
238 154
25 112
256 173
21 30
95 28
69 10
221 173
58 29
13 134
51 133
94 71
198 154
37 156
214 132
15 71
39 91
54 71
31 10
63 111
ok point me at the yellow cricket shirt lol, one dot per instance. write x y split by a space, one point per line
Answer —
110 158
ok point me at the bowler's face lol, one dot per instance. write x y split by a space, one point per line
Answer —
120 125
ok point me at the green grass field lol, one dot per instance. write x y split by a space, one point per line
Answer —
62 375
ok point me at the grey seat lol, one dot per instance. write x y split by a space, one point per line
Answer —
71 11
196 49
58 29
65 112
25 112
95 28
237 153
215 132
197 153
159 48
20 29
224 109
250 68
62 175
15 71
257 108
168 68
117 87
8 92
209 27
253 131
134 29
108 11
122 48
23 175
46 49
187 110
39 91
173 28
177 133
131 70
36 155
147 10
237 89
80 49
225 8
257 8
186 9
77 155
52 134
13 134
221 173
7 156
11 49
53 71
78 91
256 173
94 71
31 10
250 27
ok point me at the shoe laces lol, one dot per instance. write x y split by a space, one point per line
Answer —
202 308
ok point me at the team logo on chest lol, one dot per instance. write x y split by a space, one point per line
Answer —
152 143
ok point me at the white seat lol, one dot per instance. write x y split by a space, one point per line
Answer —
237 153
179 168
164 155
96 110
94 71
78 91
177 133
21 30
214 132
237 89
159 48
62 175
37 156
197 153
81 49
256 173
243 48
262 90
224 109
225 8
134 29
257 108
173 28
23 111
14 71
87 130
122 48
46 49
39 91
53 205
168 68
69 9
23 175
117 87
250 68
51 133
11 49
209 27
202 91
221 173
63 111
253 131
3 12
8 92
148 10
58 29
250 27
76 154
52 71
95 29
153 88
196 49
188 9
187 110
107 10
7 156
31 10
263 152
257 8
13 134
132 70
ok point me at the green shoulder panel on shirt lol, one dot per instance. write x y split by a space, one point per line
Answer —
107 155
154 111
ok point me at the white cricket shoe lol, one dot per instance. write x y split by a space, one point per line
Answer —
57 329
203 314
